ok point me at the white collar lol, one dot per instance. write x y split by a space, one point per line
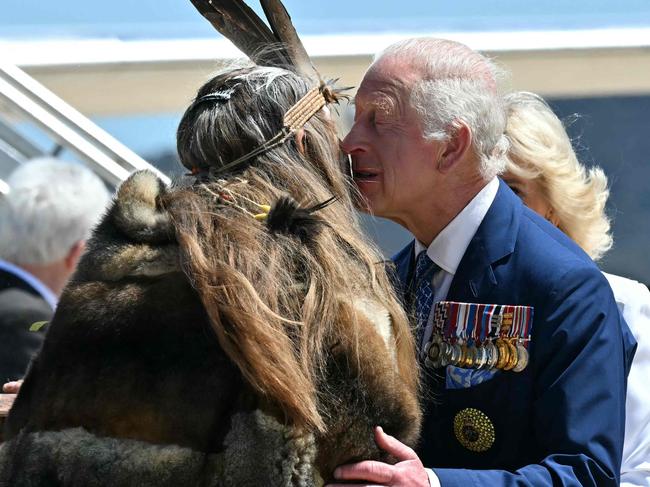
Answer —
449 246
38 286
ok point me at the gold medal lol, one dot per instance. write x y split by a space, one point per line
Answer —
522 358
504 353
472 356
464 357
474 430
512 356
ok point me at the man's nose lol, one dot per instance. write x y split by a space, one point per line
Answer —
352 142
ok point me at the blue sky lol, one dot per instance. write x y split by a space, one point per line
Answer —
177 18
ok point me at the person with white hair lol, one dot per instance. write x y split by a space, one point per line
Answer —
45 218
523 353
545 172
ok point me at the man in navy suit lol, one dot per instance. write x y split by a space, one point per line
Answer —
427 145
44 221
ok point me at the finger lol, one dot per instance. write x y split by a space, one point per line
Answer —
393 446
368 470
12 387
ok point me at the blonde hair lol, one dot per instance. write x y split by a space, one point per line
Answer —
277 300
541 150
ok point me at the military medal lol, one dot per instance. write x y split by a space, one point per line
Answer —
454 330
492 355
433 351
472 356
474 430
481 357
455 355
445 358
512 356
503 355
479 336
525 323
522 358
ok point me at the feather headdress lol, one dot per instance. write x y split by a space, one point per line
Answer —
239 23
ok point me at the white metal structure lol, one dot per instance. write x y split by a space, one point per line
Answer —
23 96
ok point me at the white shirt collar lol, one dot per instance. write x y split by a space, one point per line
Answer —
44 291
449 246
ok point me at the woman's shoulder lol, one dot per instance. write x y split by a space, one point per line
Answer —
633 298
628 290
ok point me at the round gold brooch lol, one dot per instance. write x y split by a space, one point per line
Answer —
474 430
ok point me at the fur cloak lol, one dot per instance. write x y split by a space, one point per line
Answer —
133 388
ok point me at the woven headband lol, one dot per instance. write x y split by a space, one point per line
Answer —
295 118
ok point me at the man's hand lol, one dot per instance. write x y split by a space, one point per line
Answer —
408 471
12 387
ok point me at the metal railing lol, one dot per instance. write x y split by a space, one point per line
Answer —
109 158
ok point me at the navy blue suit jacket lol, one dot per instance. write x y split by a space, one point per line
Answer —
20 306
561 420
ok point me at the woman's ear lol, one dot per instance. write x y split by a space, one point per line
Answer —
300 140
552 217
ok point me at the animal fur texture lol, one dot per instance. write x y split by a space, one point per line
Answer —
133 388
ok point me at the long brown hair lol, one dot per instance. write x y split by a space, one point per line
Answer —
274 298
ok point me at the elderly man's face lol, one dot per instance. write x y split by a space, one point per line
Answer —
393 163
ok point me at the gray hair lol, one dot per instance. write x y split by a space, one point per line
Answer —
456 84
50 206
247 109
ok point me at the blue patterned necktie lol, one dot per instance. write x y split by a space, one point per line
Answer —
425 268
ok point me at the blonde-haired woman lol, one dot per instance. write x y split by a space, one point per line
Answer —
544 171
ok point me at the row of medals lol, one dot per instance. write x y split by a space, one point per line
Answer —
502 354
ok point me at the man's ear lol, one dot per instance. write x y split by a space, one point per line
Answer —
74 254
456 148
300 140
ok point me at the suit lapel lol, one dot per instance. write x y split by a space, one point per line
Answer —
494 240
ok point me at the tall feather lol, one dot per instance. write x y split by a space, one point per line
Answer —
239 23
283 28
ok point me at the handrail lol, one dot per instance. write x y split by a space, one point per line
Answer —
112 160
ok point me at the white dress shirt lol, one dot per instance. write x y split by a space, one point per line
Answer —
448 249
44 291
633 299
449 246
